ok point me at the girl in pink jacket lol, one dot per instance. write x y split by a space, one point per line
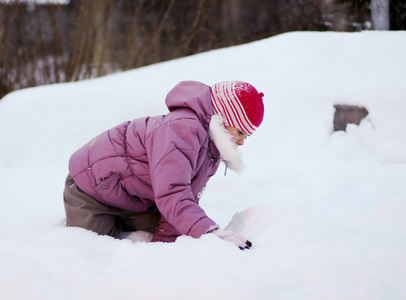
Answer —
149 174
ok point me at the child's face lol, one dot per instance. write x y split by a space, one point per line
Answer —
238 135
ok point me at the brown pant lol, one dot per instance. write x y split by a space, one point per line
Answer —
86 212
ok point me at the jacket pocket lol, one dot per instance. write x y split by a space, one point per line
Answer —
108 188
111 193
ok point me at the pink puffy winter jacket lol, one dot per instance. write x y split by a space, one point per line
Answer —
166 160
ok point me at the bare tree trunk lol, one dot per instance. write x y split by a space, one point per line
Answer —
132 32
102 48
190 38
151 48
380 14
79 50
3 75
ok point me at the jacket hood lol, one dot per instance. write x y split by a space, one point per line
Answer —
193 95
197 96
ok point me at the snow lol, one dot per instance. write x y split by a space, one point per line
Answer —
325 211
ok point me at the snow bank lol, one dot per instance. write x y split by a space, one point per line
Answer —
326 211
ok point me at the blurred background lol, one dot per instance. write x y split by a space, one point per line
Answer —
51 41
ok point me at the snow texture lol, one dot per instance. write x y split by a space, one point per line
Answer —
325 211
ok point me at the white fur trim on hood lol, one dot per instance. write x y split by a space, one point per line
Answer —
225 144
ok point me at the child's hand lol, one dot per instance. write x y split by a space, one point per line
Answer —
240 241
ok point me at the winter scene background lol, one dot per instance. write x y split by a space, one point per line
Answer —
325 210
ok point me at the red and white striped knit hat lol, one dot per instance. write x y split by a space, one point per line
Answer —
239 103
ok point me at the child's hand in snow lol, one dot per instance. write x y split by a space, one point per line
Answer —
240 241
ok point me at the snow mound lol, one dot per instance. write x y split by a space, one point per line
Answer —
325 210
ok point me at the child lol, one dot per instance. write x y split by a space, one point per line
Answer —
149 174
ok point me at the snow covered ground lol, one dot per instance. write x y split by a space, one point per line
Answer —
325 211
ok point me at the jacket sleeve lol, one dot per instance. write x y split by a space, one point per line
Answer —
173 152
